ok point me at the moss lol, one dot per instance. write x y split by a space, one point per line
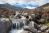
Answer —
47 24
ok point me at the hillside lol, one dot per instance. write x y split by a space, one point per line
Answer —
9 9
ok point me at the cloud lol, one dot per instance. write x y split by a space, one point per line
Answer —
40 2
31 2
29 5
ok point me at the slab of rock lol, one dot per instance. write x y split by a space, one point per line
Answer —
26 32
27 28
5 26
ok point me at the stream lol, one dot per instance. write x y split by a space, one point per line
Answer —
18 28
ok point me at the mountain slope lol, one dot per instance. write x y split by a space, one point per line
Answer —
9 6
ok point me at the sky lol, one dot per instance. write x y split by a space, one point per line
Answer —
25 2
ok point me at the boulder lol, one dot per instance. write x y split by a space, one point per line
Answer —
31 24
26 31
27 28
5 26
44 28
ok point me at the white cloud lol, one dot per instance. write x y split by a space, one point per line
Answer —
40 2
13 2
30 7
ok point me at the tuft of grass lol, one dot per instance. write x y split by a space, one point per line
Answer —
47 24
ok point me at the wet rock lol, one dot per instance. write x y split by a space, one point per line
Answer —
5 26
44 28
26 31
4 19
22 17
25 14
47 31
27 28
39 31
37 17
14 26
31 24
42 21
17 13
19 22
37 26
33 15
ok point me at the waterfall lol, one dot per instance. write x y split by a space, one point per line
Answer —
16 31
18 25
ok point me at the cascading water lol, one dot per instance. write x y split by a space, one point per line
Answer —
18 25
16 31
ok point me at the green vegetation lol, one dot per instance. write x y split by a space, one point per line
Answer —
46 22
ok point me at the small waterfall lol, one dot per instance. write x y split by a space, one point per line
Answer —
16 31
17 26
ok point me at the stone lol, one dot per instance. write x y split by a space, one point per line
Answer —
4 27
41 21
28 28
43 28
26 32
31 24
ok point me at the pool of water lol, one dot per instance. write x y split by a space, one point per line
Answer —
16 31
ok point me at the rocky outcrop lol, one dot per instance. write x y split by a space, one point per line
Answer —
5 26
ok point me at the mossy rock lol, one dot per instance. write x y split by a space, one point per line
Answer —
47 24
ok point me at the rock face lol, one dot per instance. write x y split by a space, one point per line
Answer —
5 26
19 23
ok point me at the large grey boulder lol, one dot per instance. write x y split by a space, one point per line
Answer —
5 26
30 29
